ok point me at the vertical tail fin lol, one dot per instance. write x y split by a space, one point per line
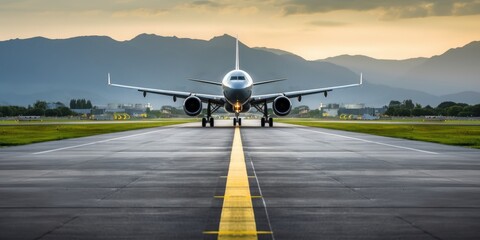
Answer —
237 63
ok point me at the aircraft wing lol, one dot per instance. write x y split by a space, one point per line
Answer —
219 99
293 94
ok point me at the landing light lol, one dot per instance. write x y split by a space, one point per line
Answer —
237 107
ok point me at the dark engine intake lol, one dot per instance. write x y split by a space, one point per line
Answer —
282 106
192 106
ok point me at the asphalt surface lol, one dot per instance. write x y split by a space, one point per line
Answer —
314 183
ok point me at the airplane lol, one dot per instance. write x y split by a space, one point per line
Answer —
237 86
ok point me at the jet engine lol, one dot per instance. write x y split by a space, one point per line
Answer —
281 106
192 106
246 107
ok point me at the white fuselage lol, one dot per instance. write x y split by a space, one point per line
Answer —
237 88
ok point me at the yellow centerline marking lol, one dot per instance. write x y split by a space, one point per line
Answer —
258 232
237 220
224 196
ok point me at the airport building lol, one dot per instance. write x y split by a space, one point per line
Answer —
352 110
112 109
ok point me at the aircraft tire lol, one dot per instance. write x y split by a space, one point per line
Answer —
262 122
270 122
212 121
234 122
239 122
204 122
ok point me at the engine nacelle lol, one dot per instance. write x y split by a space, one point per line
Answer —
192 106
228 107
282 106
246 107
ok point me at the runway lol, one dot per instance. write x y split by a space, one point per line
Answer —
305 183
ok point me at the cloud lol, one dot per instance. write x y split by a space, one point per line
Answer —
224 8
392 9
140 12
210 4
322 23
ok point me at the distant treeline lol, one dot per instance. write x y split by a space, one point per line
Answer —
80 104
39 108
408 109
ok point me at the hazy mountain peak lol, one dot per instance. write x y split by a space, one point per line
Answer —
91 39
348 57
470 50
472 44
223 39
278 52
150 37
37 39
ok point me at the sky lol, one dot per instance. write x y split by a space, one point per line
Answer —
313 29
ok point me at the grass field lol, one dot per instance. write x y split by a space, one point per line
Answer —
11 135
458 135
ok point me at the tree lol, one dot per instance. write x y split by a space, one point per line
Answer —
476 110
80 104
409 104
403 112
35 112
40 105
447 104
464 114
391 111
454 110
12 111
64 111
6 111
51 113
394 103
417 112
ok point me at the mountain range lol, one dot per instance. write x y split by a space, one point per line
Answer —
63 69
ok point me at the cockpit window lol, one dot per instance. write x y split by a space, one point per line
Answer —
237 78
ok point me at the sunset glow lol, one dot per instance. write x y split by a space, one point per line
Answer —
311 29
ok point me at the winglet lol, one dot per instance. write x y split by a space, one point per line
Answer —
361 78
109 82
237 63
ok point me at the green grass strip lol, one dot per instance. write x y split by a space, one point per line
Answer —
458 135
26 134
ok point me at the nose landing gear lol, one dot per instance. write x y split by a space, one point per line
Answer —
237 120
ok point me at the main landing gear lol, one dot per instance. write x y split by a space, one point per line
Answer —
265 119
209 119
